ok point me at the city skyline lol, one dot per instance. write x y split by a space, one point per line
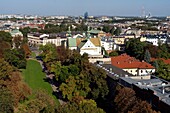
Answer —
93 7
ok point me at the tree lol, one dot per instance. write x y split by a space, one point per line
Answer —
40 103
163 70
26 49
25 31
113 53
142 107
106 28
5 36
147 56
135 48
155 64
97 79
127 102
73 69
84 106
10 78
163 51
17 41
125 99
117 31
6 101
15 57
68 89
74 86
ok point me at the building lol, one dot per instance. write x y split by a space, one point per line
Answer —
120 40
37 39
96 33
132 65
156 39
154 90
15 33
91 46
107 43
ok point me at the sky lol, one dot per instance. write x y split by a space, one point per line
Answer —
79 7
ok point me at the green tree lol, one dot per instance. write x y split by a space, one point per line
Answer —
84 106
15 57
113 53
74 86
97 79
147 56
40 102
5 36
135 48
25 31
106 28
73 69
163 70
117 31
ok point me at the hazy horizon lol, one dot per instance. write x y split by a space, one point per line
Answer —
93 7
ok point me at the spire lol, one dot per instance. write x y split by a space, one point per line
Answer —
69 31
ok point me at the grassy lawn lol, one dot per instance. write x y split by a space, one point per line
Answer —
33 76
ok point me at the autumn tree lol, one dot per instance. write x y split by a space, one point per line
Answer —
40 102
142 107
10 78
127 102
84 106
6 101
125 99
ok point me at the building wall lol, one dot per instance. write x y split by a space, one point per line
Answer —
119 40
155 40
141 77
139 72
145 71
107 45
104 60
132 71
91 50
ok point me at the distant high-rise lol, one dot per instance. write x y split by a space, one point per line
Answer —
86 15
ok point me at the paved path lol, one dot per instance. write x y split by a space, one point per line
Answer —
55 89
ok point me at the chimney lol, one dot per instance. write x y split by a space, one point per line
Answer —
110 69
163 90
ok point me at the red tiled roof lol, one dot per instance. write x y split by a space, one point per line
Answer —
166 61
124 61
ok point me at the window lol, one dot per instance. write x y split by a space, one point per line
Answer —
141 71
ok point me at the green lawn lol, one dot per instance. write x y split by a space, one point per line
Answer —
33 76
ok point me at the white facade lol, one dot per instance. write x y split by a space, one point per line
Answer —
108 45
155 41
139 72
43 39
90 49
